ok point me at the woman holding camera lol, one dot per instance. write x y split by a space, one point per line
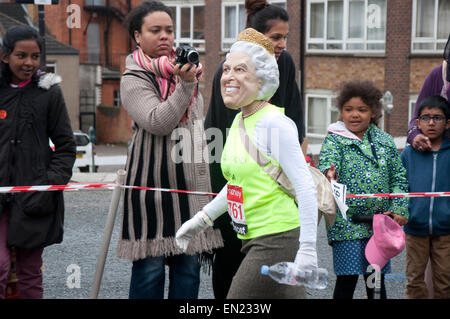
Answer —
163 99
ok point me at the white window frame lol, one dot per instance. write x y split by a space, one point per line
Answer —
345 39
52 65
314 147
329 98
411 106
227 42
198 44
423 40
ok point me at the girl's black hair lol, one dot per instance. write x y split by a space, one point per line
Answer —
135 18
435 101
13 35
367 91
260 13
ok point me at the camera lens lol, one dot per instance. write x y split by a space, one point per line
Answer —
193 57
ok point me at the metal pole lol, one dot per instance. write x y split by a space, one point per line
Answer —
92 166
117 192
41 15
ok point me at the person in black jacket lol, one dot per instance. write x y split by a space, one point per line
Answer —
272 21
32 111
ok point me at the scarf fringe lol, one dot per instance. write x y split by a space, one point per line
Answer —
134 250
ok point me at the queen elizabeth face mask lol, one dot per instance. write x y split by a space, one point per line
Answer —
239 84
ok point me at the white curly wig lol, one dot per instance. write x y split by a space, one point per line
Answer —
265 65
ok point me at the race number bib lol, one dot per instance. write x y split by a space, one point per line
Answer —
339 193
235 201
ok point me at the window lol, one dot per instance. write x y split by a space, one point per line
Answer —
93 39
346 25
95 2
189 25
50 67
234 19
431 25
233 22
320 112
412 106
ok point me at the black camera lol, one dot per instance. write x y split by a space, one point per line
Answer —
186 54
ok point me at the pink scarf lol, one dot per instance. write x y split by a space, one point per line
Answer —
162 68
21 84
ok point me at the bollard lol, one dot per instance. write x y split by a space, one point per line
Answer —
92 166
117 192
93 141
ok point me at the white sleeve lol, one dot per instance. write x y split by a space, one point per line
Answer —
276 135
218 205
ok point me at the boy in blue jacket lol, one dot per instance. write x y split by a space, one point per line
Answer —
428 227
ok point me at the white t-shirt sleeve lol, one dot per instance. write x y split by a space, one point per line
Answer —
276 135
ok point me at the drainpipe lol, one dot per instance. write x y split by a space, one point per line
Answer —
302 49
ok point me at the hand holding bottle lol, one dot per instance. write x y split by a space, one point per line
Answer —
306 258
286 273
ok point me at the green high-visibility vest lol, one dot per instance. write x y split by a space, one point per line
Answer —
268 209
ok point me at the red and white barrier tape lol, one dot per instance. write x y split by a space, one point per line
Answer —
80 186
426 194
45 188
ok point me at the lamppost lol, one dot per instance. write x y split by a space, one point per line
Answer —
388 106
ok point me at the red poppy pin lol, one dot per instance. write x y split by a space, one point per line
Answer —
3 114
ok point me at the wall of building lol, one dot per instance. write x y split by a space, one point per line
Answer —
420 67
327 72
113 123
398 48
67 67
213 56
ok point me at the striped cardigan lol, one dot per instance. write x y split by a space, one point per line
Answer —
151 219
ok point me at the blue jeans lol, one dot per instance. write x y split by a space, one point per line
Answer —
148 277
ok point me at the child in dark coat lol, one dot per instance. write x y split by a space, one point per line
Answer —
428 228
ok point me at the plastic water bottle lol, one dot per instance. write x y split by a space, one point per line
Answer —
285 273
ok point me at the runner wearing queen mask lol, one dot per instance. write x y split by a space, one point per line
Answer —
272 21
268 222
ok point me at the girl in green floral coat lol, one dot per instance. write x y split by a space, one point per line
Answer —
358 154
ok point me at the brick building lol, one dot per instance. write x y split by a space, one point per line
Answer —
394 43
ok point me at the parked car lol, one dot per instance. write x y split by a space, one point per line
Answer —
85 151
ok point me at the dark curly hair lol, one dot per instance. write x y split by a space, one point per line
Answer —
135 18
367 91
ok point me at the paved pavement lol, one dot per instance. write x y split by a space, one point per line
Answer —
86 213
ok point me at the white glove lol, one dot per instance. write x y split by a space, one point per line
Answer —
191 228
306 259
